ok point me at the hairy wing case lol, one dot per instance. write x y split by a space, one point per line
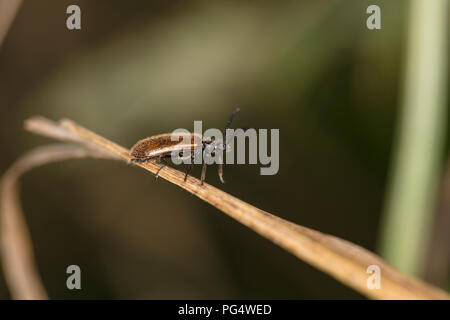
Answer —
162 144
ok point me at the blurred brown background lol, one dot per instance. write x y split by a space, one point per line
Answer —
139 68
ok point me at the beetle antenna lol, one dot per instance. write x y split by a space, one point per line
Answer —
229 124
231 118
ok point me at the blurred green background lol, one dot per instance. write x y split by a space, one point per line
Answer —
139 68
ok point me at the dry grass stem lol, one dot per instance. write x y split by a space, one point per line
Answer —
8 11
16 247
341 259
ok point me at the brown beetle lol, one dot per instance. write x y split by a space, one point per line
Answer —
160 147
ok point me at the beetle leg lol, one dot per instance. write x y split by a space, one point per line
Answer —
188 169
221 172
203 176
160 159
140 160
157 172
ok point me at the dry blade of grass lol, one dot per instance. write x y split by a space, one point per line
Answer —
16 247
341 259
8 11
